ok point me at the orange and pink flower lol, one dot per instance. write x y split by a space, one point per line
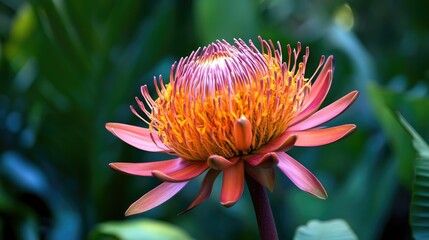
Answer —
235 110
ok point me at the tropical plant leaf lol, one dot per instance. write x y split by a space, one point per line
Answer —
138 229
419 216
332 229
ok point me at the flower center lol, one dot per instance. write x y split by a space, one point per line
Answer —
209 90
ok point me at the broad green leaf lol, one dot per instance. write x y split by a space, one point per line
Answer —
419 216
332 230
138 229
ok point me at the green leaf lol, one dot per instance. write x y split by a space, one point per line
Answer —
138 229
333 229
419 215
57 28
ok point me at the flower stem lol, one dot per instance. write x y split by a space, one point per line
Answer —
264 215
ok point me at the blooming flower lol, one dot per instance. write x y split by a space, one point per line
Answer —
236 110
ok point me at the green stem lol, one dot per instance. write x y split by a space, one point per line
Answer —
264 215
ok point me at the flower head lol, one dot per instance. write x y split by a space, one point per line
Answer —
233 109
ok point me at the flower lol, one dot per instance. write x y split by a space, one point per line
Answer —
232 109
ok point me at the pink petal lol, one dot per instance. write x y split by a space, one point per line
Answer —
155 197
184 174
317 94
205 190
268 160
146 168
327 113
141 138
232 184
324 78
282 143
242 132
218 162
265 176
300 176
322 136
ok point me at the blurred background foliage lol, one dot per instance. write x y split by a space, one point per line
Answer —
68 67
